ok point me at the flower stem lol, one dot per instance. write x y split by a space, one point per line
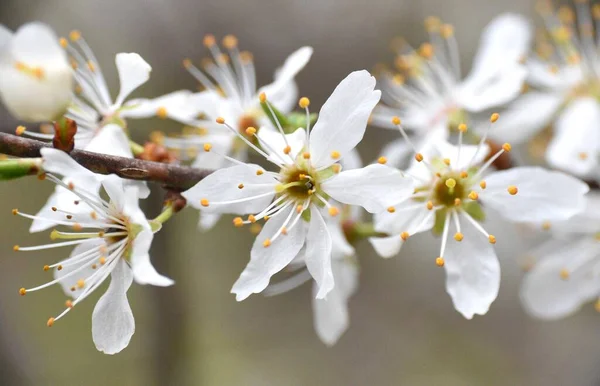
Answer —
136 148
15 168
165 215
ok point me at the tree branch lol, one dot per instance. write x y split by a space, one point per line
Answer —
171 176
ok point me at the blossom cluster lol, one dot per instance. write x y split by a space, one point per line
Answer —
466 146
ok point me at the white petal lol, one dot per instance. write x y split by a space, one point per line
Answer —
143 270
518 124
179 105
496 76
542 195
331 318
59 162
318 254
267 261
278 91
221 143
343 118
374 187
340 247
406 218
133 72
5 36
576 134
208 220
585 222
467 152
472 272
387 247
546 295
545 76
352 160
397 152
67 283
27 96
223 185
111 140
276 144
112 320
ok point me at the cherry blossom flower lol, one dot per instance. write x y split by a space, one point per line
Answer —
309 174
564 87
453 188
427 89
110 238
36 79
565 271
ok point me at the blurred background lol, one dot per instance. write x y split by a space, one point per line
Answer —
404 330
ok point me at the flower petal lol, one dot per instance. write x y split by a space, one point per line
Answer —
143 270
178 105
267 261
387 247
343 118
208 220
397 152
133 72
5 36
111 140
546 295
69 283
542 195
409 216
224 186
41 91
112 320
331 318
278 92
472 272
318 254
576 142
374 187
276 144
517 124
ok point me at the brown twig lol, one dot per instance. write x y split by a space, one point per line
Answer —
171 176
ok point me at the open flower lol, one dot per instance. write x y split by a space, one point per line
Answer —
451 183
36 80
563 75
309 174
565 269
112 239
426 88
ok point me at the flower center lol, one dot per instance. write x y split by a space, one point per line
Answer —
297 182
448 189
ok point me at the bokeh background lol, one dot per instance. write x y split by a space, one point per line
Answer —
404 330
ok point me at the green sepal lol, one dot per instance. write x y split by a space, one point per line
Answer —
325 174
279 116
474 209
16 168
298 120
306 215
440 219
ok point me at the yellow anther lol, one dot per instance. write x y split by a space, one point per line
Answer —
46 267
382 160
71 185
63 42
299 209
50 322
429 205
60 267
69 304
230 41
209 40
446 31
432 23
335 154
301 176
207 147
583 156
391 209
94 266
447 161
238 222
512 190
255 228
241 186
287 149
251 218
267 243
473 195
304 102
398 80
20 130
494 117
259 172
102 261
458 236
462 127
22 291
336 168
546 225
250 130
220 120
204 202
492 239
80 283
561 34
187 63
77 227
91 66
404 236
464 174
564 274
74 35
439 261
457 202
426 50
396 120
306 155
482 184
15 212
450 183
15 248
419 157
262 97
284 231
506 147
93 215
161 112
333 211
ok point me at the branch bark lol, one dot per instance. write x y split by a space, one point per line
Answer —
171 176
